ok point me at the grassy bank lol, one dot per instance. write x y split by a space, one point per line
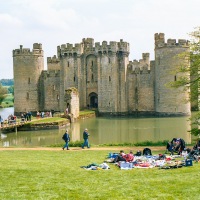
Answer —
57 175
126 144
8 101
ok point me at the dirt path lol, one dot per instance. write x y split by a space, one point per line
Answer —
153 148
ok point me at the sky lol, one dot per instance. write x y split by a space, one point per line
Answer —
56 22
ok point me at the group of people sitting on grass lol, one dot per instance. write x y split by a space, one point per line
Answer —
124 157
129 157
177 145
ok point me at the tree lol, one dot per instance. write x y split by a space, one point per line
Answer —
11 89
3 91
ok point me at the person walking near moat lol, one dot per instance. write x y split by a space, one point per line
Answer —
85 137
66 138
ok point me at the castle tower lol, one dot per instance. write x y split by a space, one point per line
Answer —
170 101
27 67
71 74
112 63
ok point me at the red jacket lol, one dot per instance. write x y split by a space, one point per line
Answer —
129 157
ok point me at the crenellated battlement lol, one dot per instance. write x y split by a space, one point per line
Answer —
88 46
143 65
53 59
50 73
88 42
123 46
159 39
37 50
145 57
66 49
160 42
112 46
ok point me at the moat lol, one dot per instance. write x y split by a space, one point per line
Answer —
105 131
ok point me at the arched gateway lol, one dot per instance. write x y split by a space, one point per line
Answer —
93 99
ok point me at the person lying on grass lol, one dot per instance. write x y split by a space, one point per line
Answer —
124 157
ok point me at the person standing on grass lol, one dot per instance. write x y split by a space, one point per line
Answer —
66 138
85 137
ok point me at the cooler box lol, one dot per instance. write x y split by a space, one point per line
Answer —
188 162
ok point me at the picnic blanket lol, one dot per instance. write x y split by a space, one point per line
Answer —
94 166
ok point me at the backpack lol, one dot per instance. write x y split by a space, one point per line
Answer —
147 152
66 137
139 153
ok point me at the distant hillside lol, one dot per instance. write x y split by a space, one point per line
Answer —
7 82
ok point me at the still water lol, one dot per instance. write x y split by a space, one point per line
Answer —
105 130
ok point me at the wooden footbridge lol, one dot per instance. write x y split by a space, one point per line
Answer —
11 125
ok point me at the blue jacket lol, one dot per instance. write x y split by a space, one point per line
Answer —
66 137
85 135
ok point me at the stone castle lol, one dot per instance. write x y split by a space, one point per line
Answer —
103 78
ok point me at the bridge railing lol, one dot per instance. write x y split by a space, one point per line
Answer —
11 123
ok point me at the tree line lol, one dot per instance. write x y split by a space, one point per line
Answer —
6 87
7 82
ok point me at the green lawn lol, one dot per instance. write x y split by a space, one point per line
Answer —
30 174
48 120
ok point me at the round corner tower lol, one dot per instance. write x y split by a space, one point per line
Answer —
27 67
168 60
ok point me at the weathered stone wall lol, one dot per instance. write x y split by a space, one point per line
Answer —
53 63
70 64
27 66
169 100
51 90
140 85
72 102
112 63
107 96
91 77
145 90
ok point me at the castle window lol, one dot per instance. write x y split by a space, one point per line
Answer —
108 60
109 78
175 78
68 63
74 78
58 97
92 77
27 95
29 80
159 60
92 62
54 87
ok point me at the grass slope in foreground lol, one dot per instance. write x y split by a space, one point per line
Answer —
54 175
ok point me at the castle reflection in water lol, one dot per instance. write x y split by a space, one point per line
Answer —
107 131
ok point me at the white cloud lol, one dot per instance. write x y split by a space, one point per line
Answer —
7 21
53 22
